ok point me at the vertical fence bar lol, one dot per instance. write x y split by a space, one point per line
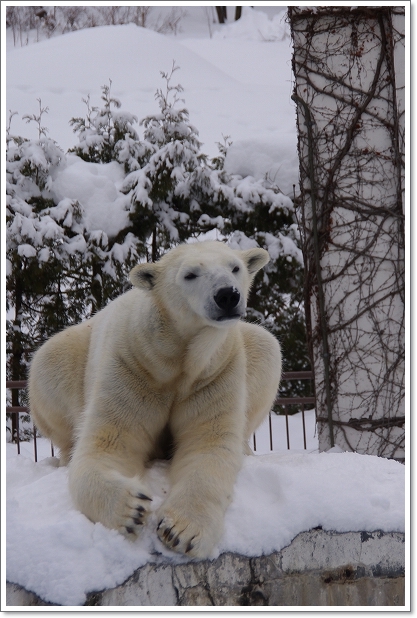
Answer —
52 450
304 427
35 444
17 432
270 433
288 430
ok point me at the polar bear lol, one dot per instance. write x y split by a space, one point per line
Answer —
168 367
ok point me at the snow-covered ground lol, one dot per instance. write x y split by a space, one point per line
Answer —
237 83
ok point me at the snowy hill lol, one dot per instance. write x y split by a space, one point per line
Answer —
233 86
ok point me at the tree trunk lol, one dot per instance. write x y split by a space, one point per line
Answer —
154 246
96 287
221 14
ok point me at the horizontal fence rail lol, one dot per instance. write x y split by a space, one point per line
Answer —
280 401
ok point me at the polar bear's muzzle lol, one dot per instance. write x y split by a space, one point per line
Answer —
227 299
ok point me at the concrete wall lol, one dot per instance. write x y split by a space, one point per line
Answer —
317 568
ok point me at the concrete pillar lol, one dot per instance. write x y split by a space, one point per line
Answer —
348 64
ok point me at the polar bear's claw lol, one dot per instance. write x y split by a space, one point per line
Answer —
184 539
132 513
143 497
167 534
190 546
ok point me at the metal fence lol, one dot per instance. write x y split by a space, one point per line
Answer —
283 402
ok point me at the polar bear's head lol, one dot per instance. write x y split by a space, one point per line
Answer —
205 281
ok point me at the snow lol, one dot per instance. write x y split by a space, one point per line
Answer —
95 186
271 158
26 250
60 555
254 26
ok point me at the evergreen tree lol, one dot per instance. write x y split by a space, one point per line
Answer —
43 247
36 247
58 271
163 189
105 132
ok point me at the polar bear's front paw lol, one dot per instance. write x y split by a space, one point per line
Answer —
185 536
135 514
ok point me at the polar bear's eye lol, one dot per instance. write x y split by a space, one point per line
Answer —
190 276
236 269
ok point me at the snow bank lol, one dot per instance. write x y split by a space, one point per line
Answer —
274 159
60 555
96 187
279 495
255 26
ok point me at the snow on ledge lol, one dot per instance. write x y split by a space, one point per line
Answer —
56 552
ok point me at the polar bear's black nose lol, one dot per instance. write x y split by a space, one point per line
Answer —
227 298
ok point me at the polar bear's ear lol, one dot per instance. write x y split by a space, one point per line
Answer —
144 276
255 259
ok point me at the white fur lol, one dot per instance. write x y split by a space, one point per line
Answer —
163 356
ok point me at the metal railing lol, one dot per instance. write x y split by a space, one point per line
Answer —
17 410
284 402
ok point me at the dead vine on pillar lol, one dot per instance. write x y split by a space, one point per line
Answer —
344 67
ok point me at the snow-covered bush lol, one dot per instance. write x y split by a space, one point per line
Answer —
43 250
105 134
40 298
59 268
169 192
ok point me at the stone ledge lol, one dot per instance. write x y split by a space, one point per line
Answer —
317 568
